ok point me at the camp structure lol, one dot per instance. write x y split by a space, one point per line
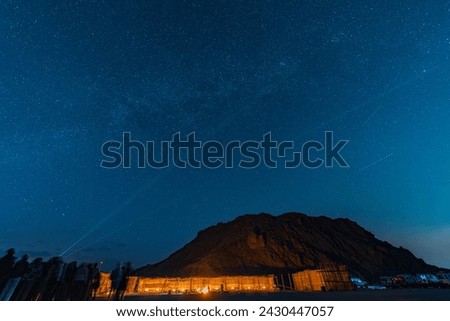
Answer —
205 284
329 277
195 284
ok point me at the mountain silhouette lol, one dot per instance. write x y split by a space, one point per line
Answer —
265 244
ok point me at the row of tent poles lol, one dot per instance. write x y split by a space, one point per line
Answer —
284 282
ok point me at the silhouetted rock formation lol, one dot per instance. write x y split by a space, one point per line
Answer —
262 244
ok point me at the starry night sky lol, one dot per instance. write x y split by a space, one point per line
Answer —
75 74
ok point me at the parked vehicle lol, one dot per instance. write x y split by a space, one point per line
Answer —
422 280
433 280
359 283
444 279
386 281
404 281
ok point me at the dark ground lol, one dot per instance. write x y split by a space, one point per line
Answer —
359 295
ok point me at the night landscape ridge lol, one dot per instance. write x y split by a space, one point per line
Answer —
264 244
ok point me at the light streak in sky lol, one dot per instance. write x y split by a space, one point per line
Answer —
376 162
113 213
128 224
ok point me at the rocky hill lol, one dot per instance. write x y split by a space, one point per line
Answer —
263 244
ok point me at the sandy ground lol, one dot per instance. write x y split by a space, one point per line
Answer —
359 295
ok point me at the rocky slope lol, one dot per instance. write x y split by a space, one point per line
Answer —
262 244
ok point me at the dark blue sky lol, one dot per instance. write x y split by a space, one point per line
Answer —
74 74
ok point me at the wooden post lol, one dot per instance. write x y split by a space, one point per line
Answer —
290 282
